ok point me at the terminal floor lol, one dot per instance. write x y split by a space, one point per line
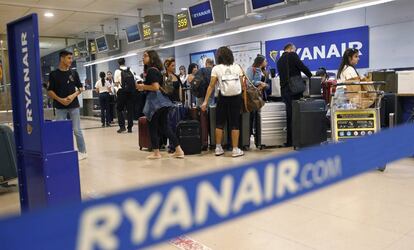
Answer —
372 211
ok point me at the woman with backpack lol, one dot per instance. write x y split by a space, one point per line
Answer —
157 106
228 76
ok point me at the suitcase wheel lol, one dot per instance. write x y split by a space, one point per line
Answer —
140 148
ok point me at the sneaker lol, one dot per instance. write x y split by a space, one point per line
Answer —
130 130
82 156
103 125
219 151
121 130
108 125
237 152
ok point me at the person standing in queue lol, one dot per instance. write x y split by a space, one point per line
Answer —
104 88
204 76
229 77
157 106
125 80
112 98
64 88
258 78
192 70
290 65
171 78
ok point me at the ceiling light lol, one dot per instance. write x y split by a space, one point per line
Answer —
49 14
184 9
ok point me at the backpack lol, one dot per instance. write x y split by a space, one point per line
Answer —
128 80
200 83
230 84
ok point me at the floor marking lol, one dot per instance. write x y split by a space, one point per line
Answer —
186 243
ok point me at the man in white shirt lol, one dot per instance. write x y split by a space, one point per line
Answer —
125 95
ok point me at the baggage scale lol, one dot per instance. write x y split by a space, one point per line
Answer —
350 120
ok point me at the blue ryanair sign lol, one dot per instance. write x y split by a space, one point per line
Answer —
323 49
150 215
201 13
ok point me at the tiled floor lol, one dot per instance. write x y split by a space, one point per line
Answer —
372 211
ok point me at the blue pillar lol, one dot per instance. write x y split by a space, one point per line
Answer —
47 164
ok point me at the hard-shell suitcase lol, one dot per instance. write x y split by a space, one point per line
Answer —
8 163
308 122
202 117
212 116
244 138
189 135
144 139
271 125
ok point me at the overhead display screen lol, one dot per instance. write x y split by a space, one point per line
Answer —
201 14
147 31
101 44
182 21
259 4
133 33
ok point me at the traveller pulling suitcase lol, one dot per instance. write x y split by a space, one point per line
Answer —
8 164
308 122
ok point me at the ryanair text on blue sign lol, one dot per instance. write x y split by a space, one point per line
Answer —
323 49
157 213
201 13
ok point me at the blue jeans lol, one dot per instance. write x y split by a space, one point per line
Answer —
74 114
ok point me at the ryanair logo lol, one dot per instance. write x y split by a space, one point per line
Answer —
26 78
273 55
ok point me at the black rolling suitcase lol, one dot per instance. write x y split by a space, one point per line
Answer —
244 138
388 106
8 160
308 122
189 136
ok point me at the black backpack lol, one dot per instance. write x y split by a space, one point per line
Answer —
200 83
128 80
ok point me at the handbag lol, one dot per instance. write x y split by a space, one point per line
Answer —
252 96
295 83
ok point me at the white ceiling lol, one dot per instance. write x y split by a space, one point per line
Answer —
75 17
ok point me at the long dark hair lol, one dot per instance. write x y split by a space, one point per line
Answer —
191 67
346 60
224 56
258 61
102 75
155 61
168 62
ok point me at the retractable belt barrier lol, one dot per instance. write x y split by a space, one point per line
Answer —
153 214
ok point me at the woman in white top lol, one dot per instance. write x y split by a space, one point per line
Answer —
229 77
348 73
104 88
112 98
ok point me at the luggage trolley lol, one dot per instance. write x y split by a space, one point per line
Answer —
349 120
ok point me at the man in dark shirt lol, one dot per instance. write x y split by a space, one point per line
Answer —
290 65
64 88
